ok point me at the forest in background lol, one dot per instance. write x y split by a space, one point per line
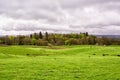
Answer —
49 39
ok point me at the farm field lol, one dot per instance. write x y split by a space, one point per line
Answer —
60 63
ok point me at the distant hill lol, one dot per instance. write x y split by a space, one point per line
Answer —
109 36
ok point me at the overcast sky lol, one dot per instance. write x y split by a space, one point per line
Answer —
59 16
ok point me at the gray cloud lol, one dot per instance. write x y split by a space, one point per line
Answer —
94 16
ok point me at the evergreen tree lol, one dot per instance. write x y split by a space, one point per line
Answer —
46 36
40 35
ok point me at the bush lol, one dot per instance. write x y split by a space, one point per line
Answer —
50 45
59 42
41 42
27 41
71 42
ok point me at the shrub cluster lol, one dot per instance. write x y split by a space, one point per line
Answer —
45 39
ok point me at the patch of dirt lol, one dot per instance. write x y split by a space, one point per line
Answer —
37 55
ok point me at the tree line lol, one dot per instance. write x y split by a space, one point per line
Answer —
48 39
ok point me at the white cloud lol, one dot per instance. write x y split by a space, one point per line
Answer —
27 16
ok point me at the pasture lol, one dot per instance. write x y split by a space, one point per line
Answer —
60 63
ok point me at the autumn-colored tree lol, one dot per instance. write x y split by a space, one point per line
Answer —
58 39
41 42
27 41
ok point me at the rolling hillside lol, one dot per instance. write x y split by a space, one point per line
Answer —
60 63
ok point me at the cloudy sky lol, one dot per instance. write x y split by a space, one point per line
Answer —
59 16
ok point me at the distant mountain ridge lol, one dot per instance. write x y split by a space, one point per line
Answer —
109 36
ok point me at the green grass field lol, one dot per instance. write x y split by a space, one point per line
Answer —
60 63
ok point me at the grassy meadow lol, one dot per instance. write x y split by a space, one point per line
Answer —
60 63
